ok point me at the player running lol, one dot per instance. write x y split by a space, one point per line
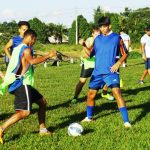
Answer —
19 77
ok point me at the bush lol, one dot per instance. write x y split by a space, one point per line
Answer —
134 55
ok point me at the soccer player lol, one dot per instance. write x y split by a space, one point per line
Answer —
15 41
145 48
88 66
106 47
19 74
126 39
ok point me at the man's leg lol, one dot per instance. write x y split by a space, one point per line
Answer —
41 116
20 114
78 89
121 105
141 81
90 105
149 71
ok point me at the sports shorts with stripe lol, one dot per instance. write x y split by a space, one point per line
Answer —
25 96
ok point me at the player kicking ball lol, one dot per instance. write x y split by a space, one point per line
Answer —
106 47
20 75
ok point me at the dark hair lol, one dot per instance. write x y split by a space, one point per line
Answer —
147 28
21 23
104 21
30 32
95 28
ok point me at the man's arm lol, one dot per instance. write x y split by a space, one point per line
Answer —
86 49
124 53
143 51
33 61
7 47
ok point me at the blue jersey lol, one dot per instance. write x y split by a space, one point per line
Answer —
106 49
16 41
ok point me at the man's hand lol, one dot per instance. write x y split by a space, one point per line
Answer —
52 54
81 41
144 57
115 67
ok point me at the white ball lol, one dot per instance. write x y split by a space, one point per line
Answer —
75 129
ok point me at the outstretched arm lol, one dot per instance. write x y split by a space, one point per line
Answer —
86 49
33 61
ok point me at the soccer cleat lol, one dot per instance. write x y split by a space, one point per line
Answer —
44 132
127 125
74 101
141 82
1 136
86 119
108 96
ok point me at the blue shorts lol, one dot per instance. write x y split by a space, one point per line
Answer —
111 80
147 63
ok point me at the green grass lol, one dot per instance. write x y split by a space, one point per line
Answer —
107 132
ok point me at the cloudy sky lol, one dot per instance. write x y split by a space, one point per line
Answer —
62 11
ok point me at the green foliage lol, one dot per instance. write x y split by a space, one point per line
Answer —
137 21
84 30
7 31
72 33
134 55
40 28
130 21
98 13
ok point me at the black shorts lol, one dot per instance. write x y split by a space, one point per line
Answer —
86 73
25 96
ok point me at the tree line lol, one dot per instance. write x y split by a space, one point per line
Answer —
130 21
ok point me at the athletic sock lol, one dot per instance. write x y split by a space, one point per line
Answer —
124 113
89 111
104 92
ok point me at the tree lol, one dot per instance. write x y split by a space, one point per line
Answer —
84 30
40 28
98 13
136 23
8 30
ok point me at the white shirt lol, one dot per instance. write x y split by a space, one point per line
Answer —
146 40
126 39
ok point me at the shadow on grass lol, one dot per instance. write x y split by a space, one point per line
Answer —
13 138
140 63
4 116
145 110
80 116
87 131
135 91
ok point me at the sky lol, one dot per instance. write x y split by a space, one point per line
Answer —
62 11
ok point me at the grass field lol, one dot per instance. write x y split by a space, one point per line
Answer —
106 133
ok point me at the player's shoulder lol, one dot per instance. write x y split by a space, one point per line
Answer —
16 37
116 35
144 37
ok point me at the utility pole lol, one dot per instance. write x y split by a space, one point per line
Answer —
76 26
